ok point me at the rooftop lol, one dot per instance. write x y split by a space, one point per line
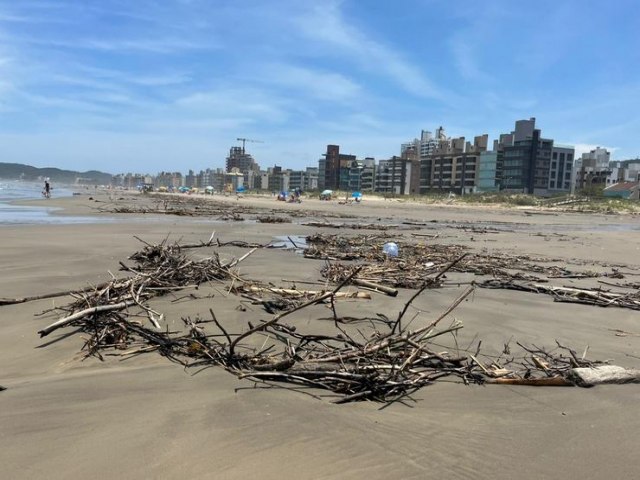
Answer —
623 186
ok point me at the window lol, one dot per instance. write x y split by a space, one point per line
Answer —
555 155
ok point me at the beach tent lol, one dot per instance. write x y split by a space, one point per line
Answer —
183 189
356 195
240 189
326 195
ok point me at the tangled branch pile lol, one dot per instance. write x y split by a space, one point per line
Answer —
416 261
386 362
597 297
159 269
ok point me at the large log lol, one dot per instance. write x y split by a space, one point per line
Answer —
588 377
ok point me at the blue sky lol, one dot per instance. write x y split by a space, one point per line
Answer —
121 85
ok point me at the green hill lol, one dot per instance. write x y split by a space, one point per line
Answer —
18 171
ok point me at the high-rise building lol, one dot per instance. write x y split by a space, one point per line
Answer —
242 161
393 176
526 162
335 169
449 164
362 175
561 168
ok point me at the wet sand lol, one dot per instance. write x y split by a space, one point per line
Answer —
147 418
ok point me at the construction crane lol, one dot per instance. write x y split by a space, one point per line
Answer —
243 140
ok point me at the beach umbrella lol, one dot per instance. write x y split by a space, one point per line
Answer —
356 195
240 189
209 188
326 192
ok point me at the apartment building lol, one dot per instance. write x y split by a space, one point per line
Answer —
561 169
362 175
334 169
452 166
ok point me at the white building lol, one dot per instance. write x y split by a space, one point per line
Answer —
561 169
623 172
598 158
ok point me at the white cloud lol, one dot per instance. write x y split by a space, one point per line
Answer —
146 45
161 80
324 23
319 84
232 102
467 58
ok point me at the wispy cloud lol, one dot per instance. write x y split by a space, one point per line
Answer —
232 102
325 23
317 83
157 45
299 75
467 58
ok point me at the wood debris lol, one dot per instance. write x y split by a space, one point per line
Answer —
416 261
272 219
387 362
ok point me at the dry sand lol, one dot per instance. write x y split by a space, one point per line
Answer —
148 418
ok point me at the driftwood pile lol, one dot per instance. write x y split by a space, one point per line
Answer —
353 226
598 297
416 261
386 364
196 206
370 358
159 269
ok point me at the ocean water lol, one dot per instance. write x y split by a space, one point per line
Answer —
11 190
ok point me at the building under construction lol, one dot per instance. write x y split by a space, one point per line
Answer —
241 160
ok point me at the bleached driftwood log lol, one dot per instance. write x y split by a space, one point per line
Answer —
588 377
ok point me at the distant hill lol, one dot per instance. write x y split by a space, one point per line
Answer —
18 171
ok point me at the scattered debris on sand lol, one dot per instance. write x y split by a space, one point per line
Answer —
369 358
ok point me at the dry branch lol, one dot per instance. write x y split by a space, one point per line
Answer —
381 366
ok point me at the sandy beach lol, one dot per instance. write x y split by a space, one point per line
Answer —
146 417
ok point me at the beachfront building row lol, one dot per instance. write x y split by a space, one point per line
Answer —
521 161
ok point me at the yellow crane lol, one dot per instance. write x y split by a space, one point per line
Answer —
243 140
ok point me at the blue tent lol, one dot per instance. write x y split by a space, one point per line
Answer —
356 195
240 189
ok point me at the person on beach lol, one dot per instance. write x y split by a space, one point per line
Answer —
47 189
